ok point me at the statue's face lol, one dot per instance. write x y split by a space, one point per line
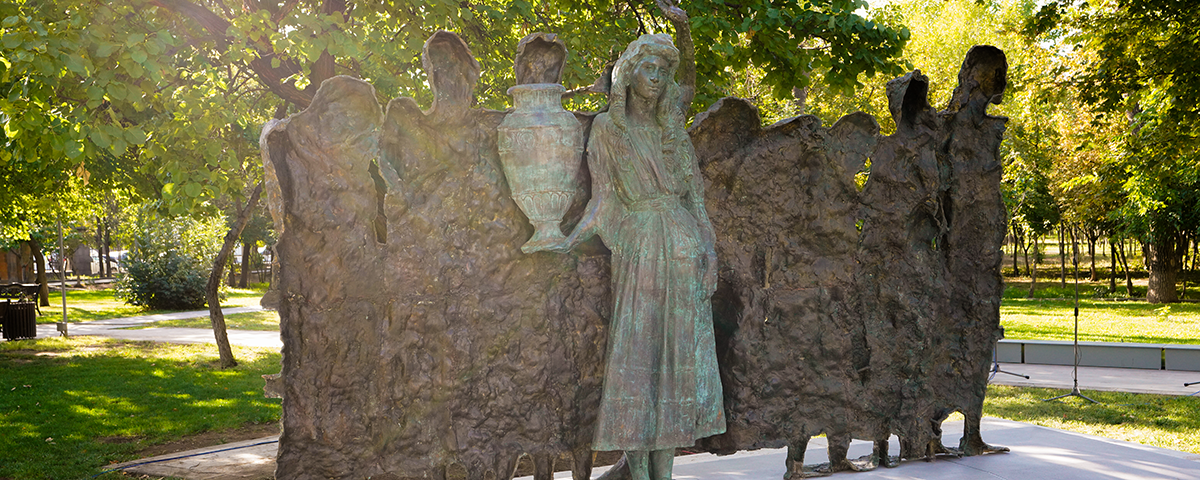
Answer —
649 77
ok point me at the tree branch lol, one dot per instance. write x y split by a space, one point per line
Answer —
687 51
271 77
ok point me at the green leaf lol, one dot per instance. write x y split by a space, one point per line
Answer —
95 93
105 49
100 138
117 91
75 64
11 41
119 146
134 39
73 149
192 190
138 56
135 135
313 53
135 70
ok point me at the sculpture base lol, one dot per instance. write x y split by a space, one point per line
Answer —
546 236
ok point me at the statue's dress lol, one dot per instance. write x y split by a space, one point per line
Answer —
662 388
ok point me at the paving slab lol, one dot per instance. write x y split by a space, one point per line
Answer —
1161 382
116 328
1037 453
251 460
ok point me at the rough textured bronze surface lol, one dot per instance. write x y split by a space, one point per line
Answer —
417 335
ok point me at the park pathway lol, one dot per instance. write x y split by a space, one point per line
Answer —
115 328
1163 382
1031 444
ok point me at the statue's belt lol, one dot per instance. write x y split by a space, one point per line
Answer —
664 202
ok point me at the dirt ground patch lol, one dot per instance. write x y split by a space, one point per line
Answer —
249 431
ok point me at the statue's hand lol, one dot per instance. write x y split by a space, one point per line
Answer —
710 272
563 246
573 240
672 11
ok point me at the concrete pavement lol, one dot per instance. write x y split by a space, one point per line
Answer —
115 328
1132 380
1037 452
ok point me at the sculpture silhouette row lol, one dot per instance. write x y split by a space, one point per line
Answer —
418 335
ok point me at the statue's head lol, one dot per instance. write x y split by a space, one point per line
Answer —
646 69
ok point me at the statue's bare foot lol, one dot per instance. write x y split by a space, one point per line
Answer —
978 447
864 463
936 448
813 471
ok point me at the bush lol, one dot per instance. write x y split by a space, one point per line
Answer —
168 266
166 281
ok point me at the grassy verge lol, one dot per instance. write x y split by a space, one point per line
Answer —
1049 315
264 321
88 305
70 407
1101 321
1157 420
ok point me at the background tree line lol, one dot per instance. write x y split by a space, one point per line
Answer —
162 100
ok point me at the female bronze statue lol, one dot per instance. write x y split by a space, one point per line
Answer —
662 389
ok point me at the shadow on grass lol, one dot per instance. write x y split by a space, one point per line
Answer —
1159 420
69 412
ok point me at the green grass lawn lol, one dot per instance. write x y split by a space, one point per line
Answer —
264 320
1157 420
1050 316
70 407
88 305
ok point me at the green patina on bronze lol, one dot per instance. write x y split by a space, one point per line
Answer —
662 388
418 335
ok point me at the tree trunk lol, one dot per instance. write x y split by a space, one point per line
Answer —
39 261
245 280
24 259
1112 263
232 277
1124 258
1025 251
1162 260
1032 271
107 258
1091 239
214 280
1062 254
1015 242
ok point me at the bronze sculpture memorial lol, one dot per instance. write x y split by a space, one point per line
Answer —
726 287
661 388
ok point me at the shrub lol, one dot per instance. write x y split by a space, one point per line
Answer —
168 266
164 281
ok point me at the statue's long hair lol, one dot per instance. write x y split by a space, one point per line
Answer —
667 112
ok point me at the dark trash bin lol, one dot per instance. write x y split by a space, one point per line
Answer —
19 320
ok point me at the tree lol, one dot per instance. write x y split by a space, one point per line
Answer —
178 88
1137 66
33 220
257 231
167 265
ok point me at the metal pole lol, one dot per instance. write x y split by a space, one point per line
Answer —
62 278
1075 370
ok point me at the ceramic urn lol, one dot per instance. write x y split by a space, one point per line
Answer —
541 146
